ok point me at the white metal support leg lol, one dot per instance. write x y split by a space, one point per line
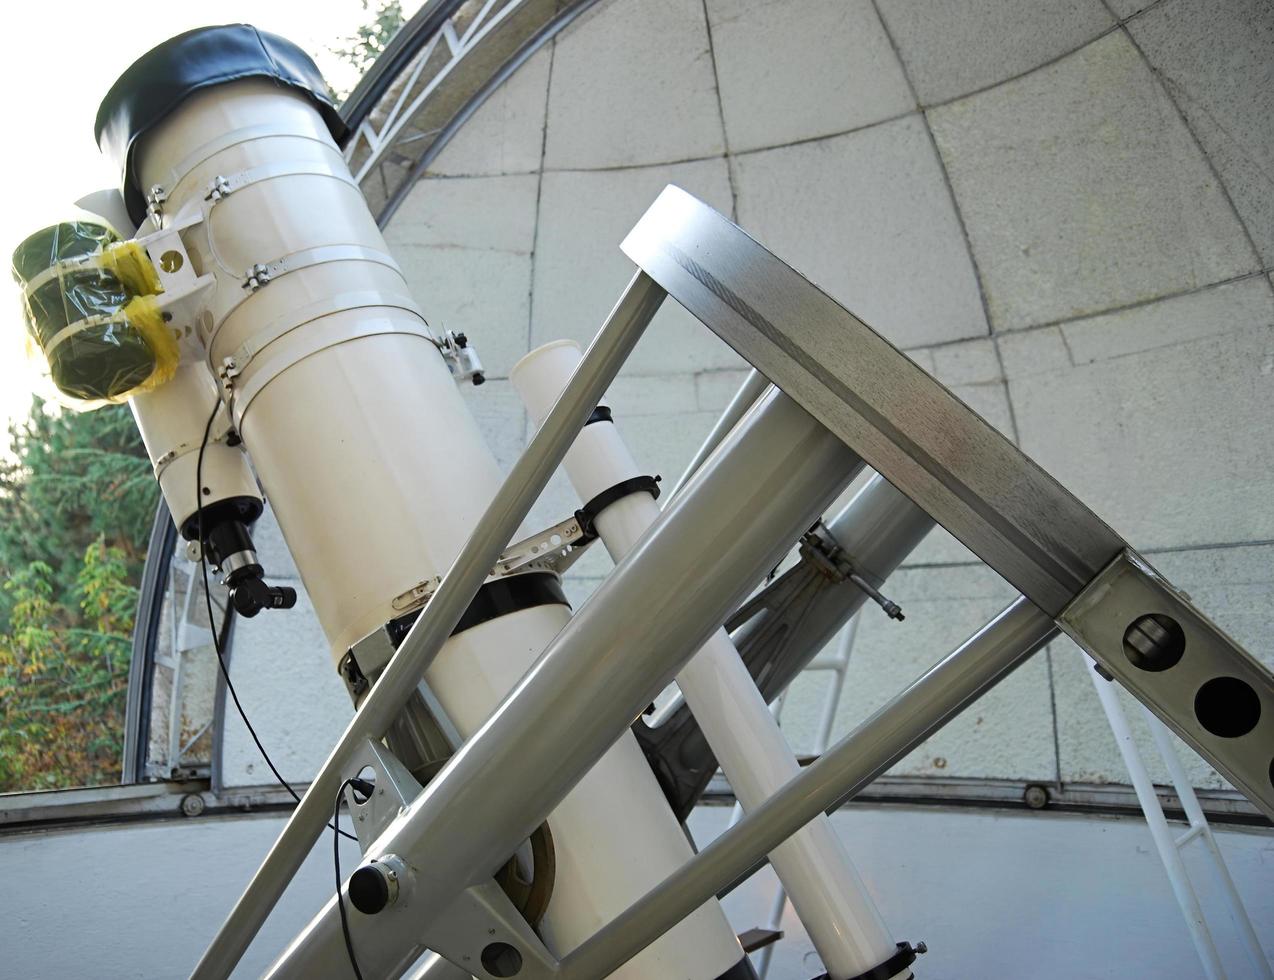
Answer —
836 664
1170 845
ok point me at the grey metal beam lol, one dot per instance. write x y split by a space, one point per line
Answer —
909 428
971 480
750 390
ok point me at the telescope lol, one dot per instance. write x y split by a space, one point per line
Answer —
517 774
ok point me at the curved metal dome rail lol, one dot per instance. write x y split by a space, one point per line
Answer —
436 73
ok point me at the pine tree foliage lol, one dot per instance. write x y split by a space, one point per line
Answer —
76 502
363 47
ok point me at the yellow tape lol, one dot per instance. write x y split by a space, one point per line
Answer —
143 314
132 266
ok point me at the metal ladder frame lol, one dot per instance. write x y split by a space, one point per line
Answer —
1170 845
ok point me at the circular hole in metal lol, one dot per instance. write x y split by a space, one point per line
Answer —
1227 707
501 960
369 774
1154 642
171 261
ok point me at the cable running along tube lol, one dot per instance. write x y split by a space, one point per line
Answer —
217 640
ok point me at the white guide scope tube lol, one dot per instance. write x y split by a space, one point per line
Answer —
826 890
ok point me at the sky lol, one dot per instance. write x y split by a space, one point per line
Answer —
57 60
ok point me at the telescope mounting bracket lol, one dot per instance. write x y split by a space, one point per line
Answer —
821 550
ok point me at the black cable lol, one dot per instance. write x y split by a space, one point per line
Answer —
218 641
336 861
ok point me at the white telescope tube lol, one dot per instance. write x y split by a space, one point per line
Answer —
172 419
826 889
374 467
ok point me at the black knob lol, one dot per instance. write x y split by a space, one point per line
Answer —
250 595
369 889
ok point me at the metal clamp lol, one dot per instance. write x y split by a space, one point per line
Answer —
587 515
417 595
218 189
221 186
557 548
903 958
462 359
554 549
824 552
235 137
258 276
156 198
262 274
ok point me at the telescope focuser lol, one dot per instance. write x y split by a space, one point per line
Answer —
229 548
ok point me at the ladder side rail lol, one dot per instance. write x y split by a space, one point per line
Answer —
1198 821
1162 835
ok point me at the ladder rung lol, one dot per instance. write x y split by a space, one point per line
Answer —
1191 834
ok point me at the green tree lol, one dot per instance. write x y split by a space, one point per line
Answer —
76 501
363 47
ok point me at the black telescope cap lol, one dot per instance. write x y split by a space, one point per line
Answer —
165 76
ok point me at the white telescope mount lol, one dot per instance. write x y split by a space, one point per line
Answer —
841 398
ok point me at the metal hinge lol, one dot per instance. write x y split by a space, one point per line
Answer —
417 595
823 551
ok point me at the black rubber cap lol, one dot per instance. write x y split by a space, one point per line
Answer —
164 77
368 889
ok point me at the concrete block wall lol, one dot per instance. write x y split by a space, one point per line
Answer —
141 901
1060 210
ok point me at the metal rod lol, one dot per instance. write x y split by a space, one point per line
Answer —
752 388
499 524
738 515
876 531
893 731
831 700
